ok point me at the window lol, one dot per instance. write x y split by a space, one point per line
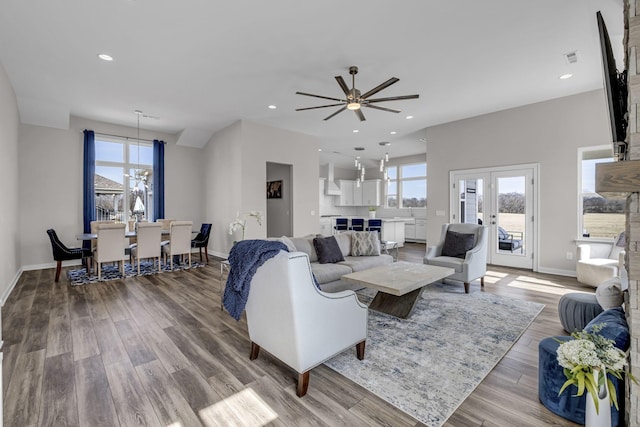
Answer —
598 217
407 186
123 180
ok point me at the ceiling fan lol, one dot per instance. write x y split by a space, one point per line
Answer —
355 100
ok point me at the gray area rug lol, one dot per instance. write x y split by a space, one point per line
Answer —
428 364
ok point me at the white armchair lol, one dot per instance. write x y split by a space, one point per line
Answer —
598 262
296 322
468 268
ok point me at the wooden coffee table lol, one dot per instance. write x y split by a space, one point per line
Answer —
399 285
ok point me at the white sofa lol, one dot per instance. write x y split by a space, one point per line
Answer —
294 321
598 262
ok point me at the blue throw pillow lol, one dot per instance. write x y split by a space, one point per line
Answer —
616 327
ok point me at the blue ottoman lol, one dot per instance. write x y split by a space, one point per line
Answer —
576 310
551 376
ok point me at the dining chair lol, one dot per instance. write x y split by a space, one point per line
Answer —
63 253
148 246
94 230
342 224
179 241
202 241
357 224
110 246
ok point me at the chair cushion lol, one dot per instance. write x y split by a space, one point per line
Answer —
457 244
615 328
359 263
365 243
327 249
447 261
344 241
577 309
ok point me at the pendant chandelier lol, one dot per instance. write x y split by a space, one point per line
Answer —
140 175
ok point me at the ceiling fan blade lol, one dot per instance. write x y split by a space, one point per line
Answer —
360 115
320 96
378 88
393 98
343 85
339 111
319 106
391 110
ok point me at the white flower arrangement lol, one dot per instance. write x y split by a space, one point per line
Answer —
587 354
241 221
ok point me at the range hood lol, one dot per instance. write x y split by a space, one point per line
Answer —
331 189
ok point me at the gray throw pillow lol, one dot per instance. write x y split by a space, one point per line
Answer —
365 243
327 249
457 244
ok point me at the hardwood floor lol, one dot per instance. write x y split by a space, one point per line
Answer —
157 350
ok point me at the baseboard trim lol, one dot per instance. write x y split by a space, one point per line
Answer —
12 285
557 271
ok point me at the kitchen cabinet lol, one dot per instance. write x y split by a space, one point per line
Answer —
371 193
393 231
326 227
417 231
367 194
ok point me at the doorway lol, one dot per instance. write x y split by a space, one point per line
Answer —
505 199
279 200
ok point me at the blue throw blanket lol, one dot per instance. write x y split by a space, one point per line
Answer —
245 258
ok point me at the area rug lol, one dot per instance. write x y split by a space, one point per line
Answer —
428 364
112 272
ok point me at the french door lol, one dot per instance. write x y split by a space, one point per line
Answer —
505 200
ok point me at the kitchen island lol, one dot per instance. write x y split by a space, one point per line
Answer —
392 228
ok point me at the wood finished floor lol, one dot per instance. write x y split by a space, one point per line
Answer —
157 350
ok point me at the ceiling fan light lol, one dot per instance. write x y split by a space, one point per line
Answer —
353 106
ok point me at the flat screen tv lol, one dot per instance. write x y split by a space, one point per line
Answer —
615 87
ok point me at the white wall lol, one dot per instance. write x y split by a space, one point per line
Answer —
236 169
50 184
10 261
548 133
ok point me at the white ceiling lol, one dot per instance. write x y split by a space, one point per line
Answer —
200 65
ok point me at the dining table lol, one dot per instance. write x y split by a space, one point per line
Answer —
128 234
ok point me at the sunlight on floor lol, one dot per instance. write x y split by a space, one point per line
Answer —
244 408
542 285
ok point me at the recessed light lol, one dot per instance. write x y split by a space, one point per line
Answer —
272 107
319 149
105 57
566 76
409 117
356 131
393 132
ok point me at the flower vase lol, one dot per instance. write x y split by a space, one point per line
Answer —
372 214
601 418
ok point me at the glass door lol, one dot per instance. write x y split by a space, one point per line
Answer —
503 200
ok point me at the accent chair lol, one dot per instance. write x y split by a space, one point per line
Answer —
297 323
462 247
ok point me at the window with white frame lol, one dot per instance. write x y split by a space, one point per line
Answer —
123 180
407 186
598 217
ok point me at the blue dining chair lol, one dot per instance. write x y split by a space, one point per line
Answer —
357 224
202 241
342 224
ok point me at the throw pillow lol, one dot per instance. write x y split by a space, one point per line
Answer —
615 327
457 244
365 243
327 249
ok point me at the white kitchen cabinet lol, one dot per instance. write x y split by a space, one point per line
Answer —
326 228
346 192
367 194
371 193
421 230
393 231
416 232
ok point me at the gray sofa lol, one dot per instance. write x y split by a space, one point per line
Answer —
328 275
